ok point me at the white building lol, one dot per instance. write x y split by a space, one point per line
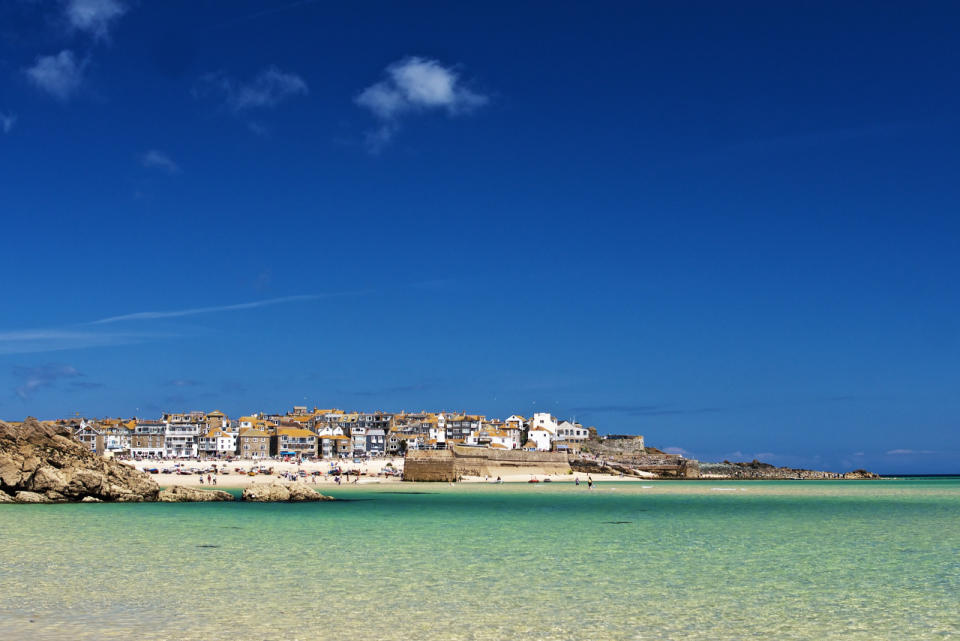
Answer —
567 431
544 420
541 437
181 440
437 435
515 422
218 442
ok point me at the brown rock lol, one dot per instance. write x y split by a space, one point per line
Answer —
90 499
286 493
30 497
4 497
43 460
180 494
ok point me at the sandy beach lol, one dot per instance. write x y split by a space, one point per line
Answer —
370 472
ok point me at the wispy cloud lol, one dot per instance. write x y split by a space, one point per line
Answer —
155 159
60 75
194 311
413 85
7 121
675 449
94 17
910 452
268 88
52 340
35 378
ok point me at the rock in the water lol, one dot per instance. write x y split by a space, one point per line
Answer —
30 497
286 493
5 498
180 494
43 459
90 499
860 475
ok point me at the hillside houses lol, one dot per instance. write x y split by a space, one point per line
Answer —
320 433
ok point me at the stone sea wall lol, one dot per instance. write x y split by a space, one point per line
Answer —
448 465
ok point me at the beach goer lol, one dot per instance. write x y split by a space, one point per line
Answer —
589 483
576 480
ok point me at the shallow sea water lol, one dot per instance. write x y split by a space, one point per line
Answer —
674 560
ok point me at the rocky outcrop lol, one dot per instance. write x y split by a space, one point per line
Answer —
180 494
758 470
283 493
860 475
41 463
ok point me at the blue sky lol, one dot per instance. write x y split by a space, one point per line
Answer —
731 229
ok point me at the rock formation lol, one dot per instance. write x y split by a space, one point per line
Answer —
283 493
857 475
41 463
180 494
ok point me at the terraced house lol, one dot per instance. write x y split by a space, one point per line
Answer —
253 443
148 440
295 441
218 442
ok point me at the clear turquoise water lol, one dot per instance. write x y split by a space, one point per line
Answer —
691 560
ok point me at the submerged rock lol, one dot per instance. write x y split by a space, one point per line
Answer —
42 460
180 494
283 493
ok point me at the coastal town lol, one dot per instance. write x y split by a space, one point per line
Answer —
428 445
308 434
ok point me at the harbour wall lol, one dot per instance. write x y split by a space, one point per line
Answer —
449 464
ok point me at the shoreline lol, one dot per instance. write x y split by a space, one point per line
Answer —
370 474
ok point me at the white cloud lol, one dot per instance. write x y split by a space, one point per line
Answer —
267 89
59 75
33 378
673 449
7 121
155 159
193 311
34 341
94 17
415 85
908 452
